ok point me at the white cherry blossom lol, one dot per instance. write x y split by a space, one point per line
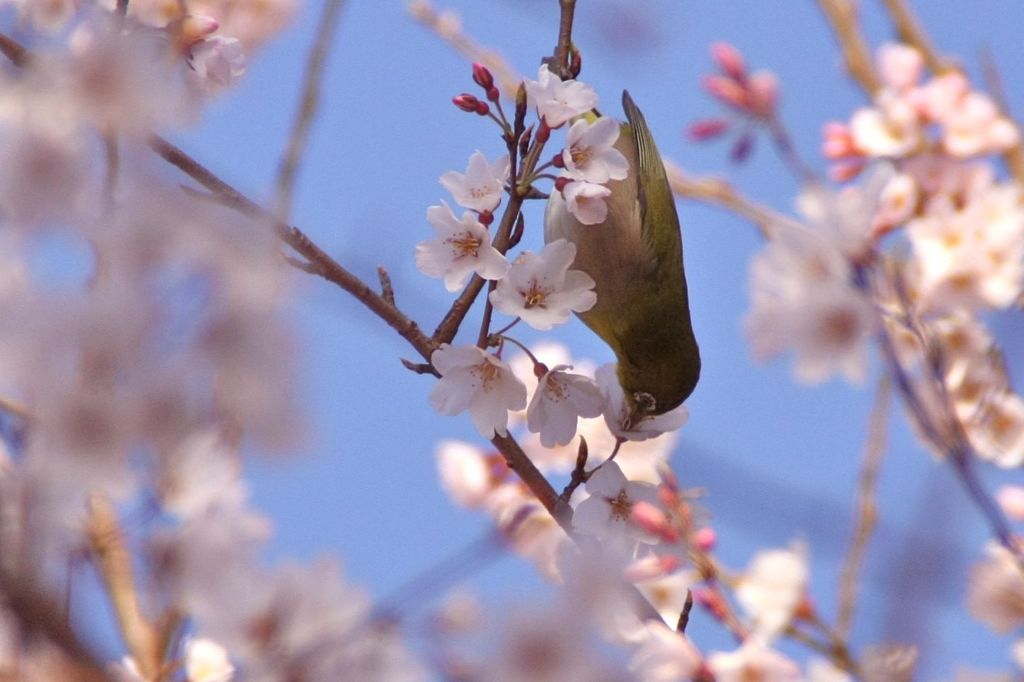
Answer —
481 186
772 587
556 100
586 201
590 152
616 410
560 400
607 512
753 661
462 247
479 382
540 288
207 661
664 655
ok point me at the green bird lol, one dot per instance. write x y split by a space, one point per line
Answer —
636 259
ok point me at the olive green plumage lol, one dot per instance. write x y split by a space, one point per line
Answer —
636 258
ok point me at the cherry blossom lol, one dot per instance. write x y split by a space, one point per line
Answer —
590 152
560 400
481 186
478 381
664 655
207 661
217 62
464 473
995 590
585 201
617 412
540 288
606 513
556 100
753 661
772 587
462 247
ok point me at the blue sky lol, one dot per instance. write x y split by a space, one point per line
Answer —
778 461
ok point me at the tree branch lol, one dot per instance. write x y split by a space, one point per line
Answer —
842 15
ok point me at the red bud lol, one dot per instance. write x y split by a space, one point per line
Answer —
482 108
560 183
486 218
466 102
708 129
729 60
482 76
558 161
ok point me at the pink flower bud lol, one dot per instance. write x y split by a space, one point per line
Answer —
482 76
466 102
838 142
729 60
482 108
652 520
707 129
727 91
763 94
844 172
705 539
493 94
558 161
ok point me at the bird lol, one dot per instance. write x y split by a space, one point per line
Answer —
635 258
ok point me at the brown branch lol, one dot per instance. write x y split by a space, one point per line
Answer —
114 563
11 49
842 15
38 614
561 55
866 516
319 261
308 105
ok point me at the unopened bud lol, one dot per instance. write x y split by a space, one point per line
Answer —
486 218
763 94
558 161
560 183
466 102
653 520
482 76
726 90
729 60
543 131
705 539
482 108
741 150
708 129
493 94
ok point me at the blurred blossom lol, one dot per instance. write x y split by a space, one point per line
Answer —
464 472
207 661
664 655
772 587
753 661
217 62
1011 501
995 590
821 670
667 594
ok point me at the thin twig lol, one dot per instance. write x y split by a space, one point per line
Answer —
445 26
309 102
40 615
909 30
561 55
866 516
387 289
114 563
842 15
11 49
718 192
